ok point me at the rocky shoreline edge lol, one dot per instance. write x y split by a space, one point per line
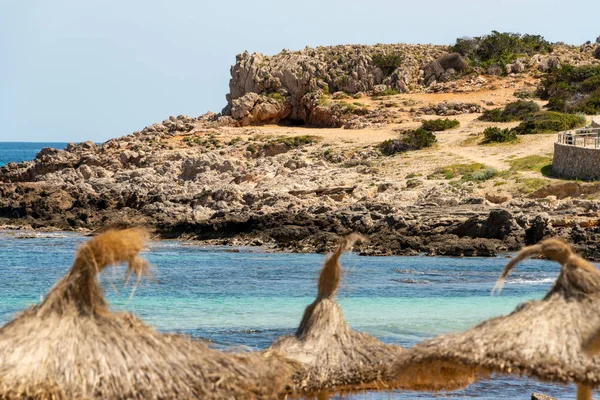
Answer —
221 179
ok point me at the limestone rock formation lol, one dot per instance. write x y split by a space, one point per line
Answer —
298 79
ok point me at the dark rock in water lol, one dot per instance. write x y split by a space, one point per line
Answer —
498 225
539 396
464 247
410 281
538 229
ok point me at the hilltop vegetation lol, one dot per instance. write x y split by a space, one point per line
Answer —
499 49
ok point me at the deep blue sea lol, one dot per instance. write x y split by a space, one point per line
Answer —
23 151
252 297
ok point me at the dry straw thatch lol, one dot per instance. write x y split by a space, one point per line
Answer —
542 339
336 359
72 346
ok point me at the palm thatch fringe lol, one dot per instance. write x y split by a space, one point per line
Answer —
72 346
335 358
541 339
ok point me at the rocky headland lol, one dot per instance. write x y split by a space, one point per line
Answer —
295 160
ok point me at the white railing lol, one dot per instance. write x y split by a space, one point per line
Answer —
587 137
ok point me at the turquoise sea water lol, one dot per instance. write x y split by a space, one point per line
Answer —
251 297
23 151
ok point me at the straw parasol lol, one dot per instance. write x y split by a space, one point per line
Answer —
72 346
542 339
335 358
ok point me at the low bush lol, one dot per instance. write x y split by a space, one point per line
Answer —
597 53
419 138
569 88
493 115
297 141
520 109
436 125
499 135
409 140
525 94
591 83
466 172
484 174
388 92
590 105
514 111
549 121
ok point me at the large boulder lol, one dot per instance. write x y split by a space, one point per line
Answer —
254 109
444 68
499 224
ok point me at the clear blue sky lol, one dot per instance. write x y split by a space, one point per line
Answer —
74 70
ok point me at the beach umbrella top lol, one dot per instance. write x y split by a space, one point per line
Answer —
337 359
72 346
541 339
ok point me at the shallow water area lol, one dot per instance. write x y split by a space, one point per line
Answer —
250 297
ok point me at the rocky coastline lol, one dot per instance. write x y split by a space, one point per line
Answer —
221 179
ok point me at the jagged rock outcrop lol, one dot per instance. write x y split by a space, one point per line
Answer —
298 79
294 86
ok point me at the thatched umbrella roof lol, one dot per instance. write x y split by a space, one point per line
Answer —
542 339
336 358
72 346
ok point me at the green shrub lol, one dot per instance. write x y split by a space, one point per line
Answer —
297 141
387 62
549 121
493 115
420 138
514 111
590 84
484 174
436 125
499 135
409 140
597 53
499 48
568 88
467 172
520 109
388 92
589 105
525 94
